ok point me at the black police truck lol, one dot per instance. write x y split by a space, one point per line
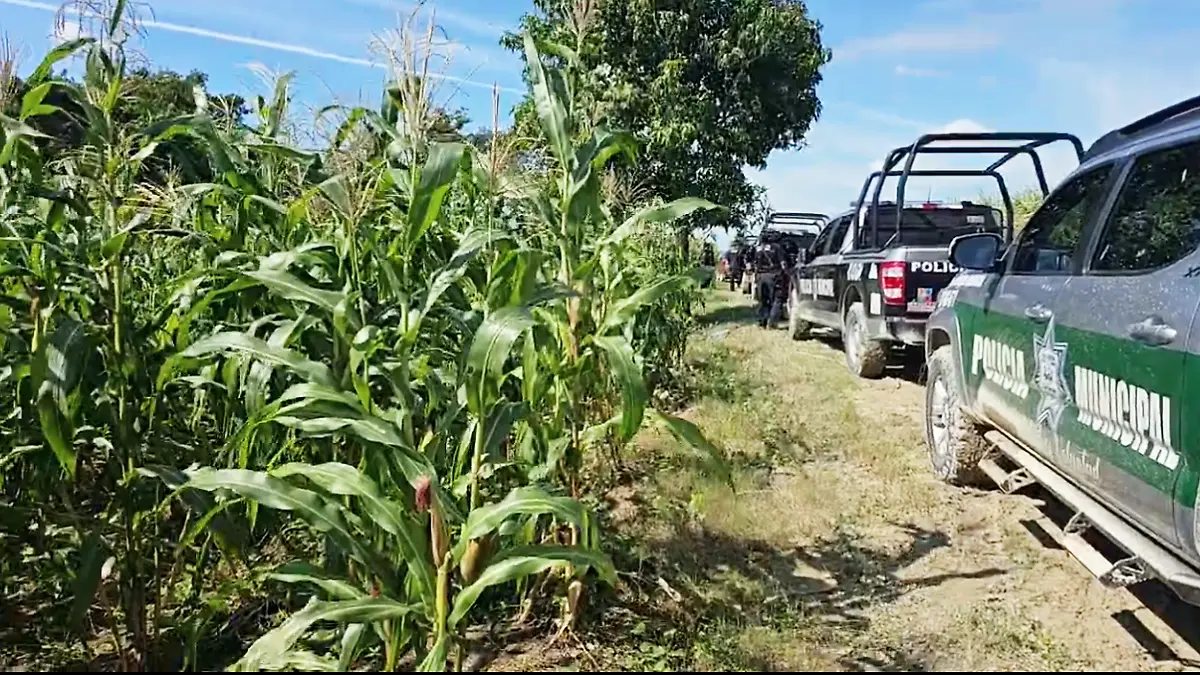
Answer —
874 272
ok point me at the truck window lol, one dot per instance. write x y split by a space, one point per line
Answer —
930 226
1048 242
1156 220
839 233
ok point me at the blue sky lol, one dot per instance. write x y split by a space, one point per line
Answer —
900 68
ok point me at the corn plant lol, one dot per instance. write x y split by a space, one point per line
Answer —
369 373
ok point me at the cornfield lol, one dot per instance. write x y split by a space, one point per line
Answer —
333 406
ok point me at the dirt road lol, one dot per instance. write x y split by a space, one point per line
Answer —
840 551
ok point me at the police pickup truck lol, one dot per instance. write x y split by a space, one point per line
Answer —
879 291
874 273
1070 356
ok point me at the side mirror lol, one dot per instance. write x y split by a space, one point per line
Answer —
976 251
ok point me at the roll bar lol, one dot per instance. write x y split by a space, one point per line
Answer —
985 143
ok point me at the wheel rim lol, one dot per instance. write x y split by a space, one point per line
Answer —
938 420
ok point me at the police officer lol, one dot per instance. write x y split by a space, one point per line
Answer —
770 279
737 257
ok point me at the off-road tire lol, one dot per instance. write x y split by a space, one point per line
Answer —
798 328
955 454
865 358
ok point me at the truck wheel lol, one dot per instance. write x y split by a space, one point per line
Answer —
798 328
955 442
865 358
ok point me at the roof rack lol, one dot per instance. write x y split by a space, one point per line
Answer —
1119 137
986 143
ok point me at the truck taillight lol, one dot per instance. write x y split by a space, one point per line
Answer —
891 280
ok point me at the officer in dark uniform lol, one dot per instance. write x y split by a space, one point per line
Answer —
737 263
771 266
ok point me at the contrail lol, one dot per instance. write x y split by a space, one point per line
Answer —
265 44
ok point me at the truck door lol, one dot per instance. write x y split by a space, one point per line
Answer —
814 286
1013 326
1125 326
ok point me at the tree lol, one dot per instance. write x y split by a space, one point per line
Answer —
708 86
146 97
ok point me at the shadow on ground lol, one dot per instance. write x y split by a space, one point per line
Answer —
909 367
735 314
701 583
1179 617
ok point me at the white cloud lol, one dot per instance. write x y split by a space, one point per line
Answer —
1104 95
472 24
842 152
907 71
932 40
67 31
963 126
273 45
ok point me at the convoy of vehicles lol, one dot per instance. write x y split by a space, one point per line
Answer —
1069 357
1064 355
875 273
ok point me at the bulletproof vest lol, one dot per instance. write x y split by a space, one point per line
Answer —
767 259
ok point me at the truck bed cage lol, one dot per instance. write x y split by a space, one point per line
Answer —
936 173
795 215
788 218
983 143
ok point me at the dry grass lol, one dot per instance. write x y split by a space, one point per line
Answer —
838 550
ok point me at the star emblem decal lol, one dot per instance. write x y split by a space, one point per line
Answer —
1050 358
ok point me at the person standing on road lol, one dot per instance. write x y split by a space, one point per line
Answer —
737 253
770 277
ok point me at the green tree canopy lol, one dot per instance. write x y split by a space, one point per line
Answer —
709 86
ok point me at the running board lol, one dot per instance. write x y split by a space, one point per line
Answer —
1008 481
1146 559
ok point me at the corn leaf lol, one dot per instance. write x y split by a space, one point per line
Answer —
523 562
472 243
499 423
527 501
435 660
633 386
66 355
625 309
87 578
229 531
335 190
549 96
712 456
436 177
345 480
31 103
233 341
491 346
46 68
664 213
351 639
272 651
305 573
320 513
287 285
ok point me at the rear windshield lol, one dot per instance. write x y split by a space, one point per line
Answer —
930 227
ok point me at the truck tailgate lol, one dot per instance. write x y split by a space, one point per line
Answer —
927 272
